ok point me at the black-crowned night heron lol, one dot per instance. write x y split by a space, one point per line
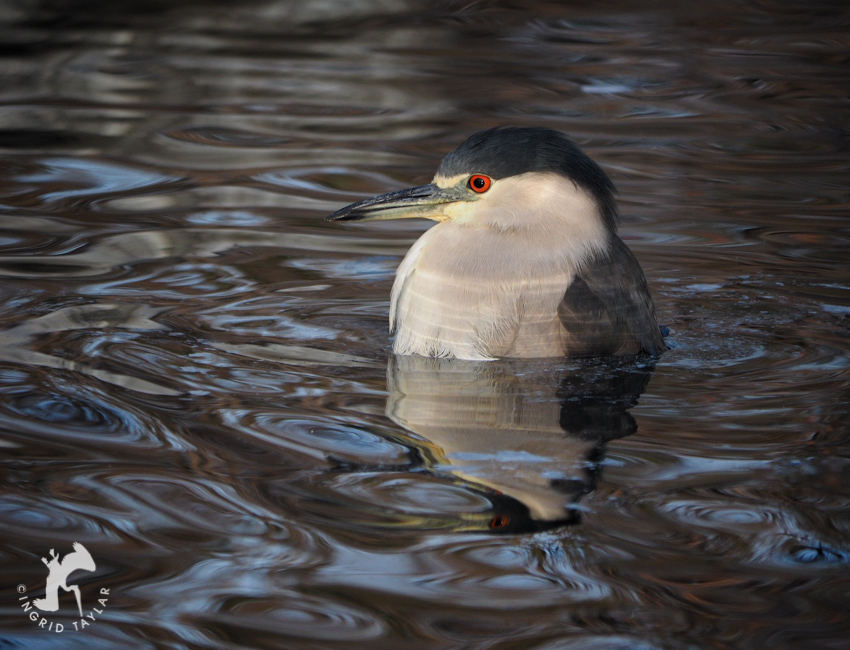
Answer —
525 260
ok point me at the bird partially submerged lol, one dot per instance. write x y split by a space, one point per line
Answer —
525 260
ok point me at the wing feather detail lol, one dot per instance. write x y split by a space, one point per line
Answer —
607 309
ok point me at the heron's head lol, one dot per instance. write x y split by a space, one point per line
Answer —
510 178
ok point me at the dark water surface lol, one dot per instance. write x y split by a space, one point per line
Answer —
195 379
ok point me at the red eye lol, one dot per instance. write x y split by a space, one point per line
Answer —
499 521
479 183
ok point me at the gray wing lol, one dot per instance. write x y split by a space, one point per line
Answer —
608 310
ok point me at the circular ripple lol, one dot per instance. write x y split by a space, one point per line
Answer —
409 493
64 410
41 408
303 616
316 437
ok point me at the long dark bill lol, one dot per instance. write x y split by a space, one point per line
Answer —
423 202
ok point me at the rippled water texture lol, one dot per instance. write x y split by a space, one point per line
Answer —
195 378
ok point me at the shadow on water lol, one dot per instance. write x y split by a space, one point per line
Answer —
527 435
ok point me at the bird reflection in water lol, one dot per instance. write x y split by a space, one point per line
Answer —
527 435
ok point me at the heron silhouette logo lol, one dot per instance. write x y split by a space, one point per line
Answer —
60 569
78 559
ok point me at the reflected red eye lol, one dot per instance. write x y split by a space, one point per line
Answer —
479 183
499 521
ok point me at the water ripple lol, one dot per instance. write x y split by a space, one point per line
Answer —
303 617
193 364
